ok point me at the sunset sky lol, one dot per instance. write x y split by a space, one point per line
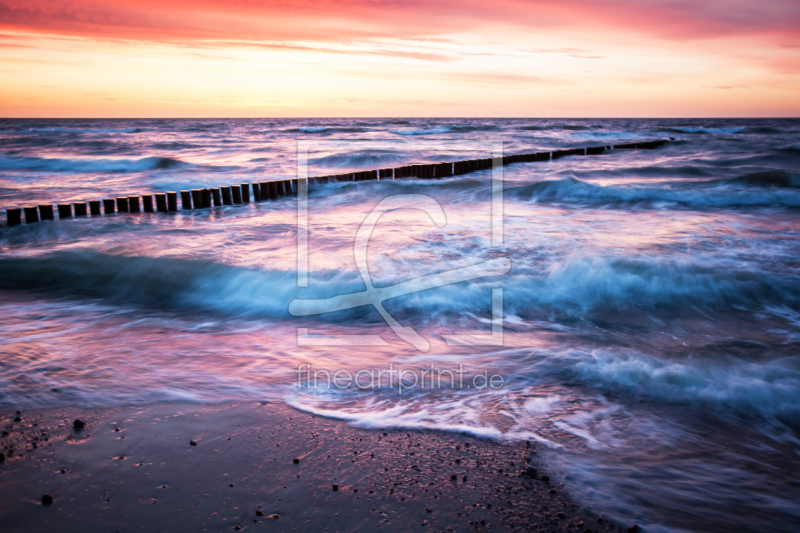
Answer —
243 58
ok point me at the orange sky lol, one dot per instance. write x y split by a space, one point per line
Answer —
239 58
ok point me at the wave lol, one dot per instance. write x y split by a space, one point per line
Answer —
704 130
768 178
325 129
43 164
422 131
80 130
574 285
373 159
575 191
614 135
754 389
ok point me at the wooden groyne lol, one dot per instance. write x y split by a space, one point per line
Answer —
272 190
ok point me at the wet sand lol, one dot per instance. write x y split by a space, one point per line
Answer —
266 467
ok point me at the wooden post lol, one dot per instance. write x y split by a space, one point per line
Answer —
256 192
172 200
217 197
287 187
279 188
46 212
206 197
236 192
186 199
245 193
64 211
226 196
294 187
109 207
273 190
122 204
161 202
94 208
147 201
133 204
197 198
31 214
80 209
264 187
13 216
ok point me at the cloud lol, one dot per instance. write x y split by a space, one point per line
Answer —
344 20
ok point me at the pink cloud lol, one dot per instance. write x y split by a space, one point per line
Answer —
343 20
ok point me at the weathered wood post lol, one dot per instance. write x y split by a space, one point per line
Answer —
161 202
31 214
172 200
13 216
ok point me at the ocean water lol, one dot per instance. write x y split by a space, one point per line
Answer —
651 315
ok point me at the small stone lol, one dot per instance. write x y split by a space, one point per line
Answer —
47 499
274 516
453 477
464 479
230 484
545 478
192 443
531 472
116 429
334 487
17 419
296 461
78 424
259 512
237 528
634 529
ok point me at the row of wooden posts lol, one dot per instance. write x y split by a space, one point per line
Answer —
272 190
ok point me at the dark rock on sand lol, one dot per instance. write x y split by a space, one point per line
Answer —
259 512
334 487
296 461
17 419
192 443
2 458
47 499
634 529
79 424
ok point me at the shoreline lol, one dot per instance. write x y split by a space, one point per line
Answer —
135 467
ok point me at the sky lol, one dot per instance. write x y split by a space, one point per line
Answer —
375 58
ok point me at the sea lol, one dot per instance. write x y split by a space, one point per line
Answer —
645 338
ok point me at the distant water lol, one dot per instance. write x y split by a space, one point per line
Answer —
652 312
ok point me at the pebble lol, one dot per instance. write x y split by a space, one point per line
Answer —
47 499
296 461
78 424
334 487
192 443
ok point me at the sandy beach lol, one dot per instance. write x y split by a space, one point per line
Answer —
266 467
